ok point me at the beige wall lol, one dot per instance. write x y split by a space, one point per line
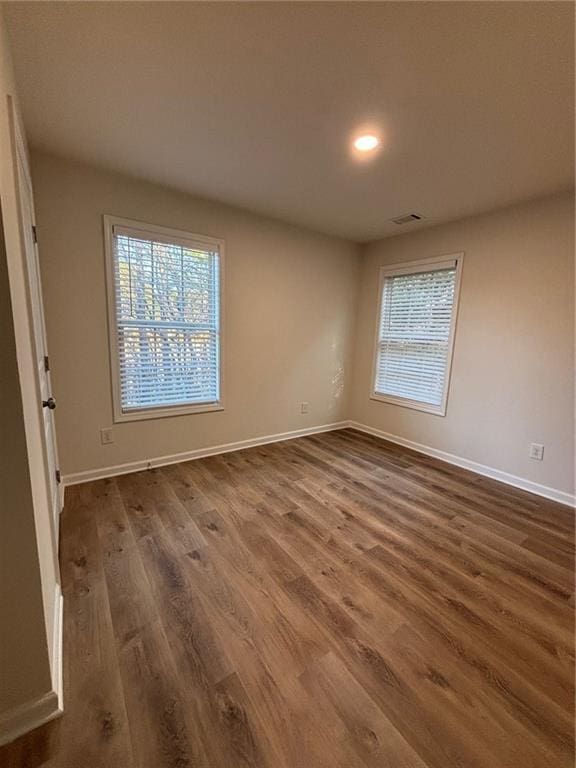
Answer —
289 314
513 370
290 300
27 577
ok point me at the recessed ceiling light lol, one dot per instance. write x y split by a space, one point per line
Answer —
366 143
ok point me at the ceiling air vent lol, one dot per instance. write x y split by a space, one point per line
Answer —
407 218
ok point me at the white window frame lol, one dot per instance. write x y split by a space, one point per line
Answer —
171 236
411 268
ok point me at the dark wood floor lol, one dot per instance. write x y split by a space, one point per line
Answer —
328 601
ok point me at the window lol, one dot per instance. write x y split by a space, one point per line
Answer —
415 334
164 290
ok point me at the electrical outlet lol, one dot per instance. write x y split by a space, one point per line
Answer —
106 436
536 451
304 407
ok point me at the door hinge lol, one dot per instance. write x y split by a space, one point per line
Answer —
58 476
34 233
46 363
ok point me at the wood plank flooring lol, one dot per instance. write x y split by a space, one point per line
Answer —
330 601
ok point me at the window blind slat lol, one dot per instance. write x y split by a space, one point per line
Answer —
167 321
414 334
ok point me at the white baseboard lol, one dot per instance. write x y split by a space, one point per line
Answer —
25 718
481 469
20 720
36 712
161 461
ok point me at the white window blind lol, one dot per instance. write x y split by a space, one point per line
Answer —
415 334
167 317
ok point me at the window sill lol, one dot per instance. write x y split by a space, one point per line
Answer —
145 414
435 410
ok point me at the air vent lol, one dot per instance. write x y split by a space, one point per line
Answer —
407 218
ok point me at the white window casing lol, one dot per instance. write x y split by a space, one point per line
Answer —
415 330
164 319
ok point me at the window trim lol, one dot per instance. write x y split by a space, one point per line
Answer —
172 236
410 268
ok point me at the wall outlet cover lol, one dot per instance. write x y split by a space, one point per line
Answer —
536 451
106 436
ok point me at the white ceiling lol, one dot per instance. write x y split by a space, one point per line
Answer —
255 104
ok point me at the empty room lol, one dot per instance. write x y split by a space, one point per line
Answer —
287 384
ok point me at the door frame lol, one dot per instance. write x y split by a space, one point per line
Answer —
51 704
25 195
